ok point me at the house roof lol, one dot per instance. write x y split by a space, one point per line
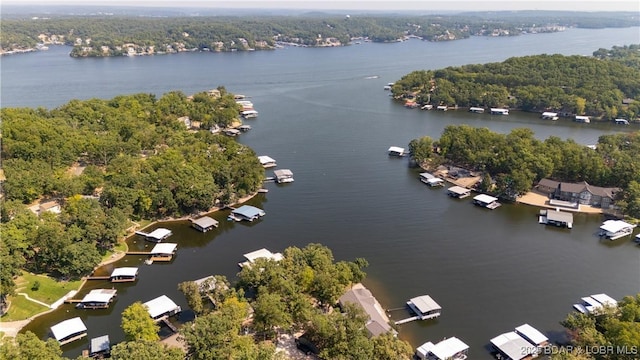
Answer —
615 225
99 344
205 222
361 296
584 186
513 345
531 334
484 198
445 349
160 305
99 296
248 211
124 271
164 248
549 183
68 327
425 303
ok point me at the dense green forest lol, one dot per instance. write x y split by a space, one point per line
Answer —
297 294
114 35
515 162
606 85
108 161
613 334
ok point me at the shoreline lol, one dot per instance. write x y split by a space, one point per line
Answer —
12 328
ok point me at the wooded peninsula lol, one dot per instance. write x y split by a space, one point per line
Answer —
102 35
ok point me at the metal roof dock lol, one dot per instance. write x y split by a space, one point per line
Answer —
451 348
69 330
246 212
124 274
458 192
161 307
204 223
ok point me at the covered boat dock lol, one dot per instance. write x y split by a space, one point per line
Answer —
204 223
69 330
162 307
100 346
156 235
513 346
283 176
163 252
260 254
458 192
532 335
556 218
266 161
97 299
615 229
124 274
246 212
448 349
486 201
396 151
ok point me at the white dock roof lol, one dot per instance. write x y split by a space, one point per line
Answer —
68 327
124 271
513 345
164 248
159 233
459 190
531 334
605 299
99 296
396 149
427 175
282 173
547 113
435 180
264 159
160 305
263 253
445 349
484 198
100 344
425 303
614 226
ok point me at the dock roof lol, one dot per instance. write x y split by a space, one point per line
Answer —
160 305
513 345
459 190
248 211
159 233
124 271
425 303
484 198
531 334
605 299
99 296
205 222
396 149
445 349
164 248
560 216
282 173
426 175
99 344
263 253
615 225
264 159
67 328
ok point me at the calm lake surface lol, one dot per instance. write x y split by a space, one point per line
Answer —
323 116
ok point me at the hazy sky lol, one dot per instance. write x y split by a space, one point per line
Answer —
377 5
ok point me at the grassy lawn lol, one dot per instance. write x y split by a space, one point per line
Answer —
121 246
22 309
49 290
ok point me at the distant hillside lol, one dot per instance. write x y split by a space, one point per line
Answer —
606 85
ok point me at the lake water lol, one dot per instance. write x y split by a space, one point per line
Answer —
324 115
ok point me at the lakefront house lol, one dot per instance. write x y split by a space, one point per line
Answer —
582 193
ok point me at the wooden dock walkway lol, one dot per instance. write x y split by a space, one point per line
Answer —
169 324
404 321
72 301
137 253
98 277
